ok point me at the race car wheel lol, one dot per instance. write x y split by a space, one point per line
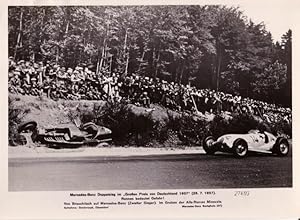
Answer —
91 128
281 147
240 148
27 127
208 145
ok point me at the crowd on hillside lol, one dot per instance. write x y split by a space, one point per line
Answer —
81 83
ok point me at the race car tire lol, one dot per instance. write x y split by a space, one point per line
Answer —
281 147
91 128
240 148
207 145
27 127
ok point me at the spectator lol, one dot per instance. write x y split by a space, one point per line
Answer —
145 100
82 83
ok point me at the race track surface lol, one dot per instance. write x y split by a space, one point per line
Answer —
185 171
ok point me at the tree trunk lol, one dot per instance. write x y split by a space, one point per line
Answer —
102 55
57 55
153 62
104 47
181 73
66 33
67 28
125 41
126 52
176 73
89 40
19 42
33 57
110 64
142 59
97 67
98 62
218 72
212 73
127 63
218 65
81 52
42 30
44 15
156 66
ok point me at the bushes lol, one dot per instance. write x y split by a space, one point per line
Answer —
242 123
239 123
15 116
190 129
282 127
134 126
127 127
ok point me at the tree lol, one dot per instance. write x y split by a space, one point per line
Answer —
286 58
211 46
270 83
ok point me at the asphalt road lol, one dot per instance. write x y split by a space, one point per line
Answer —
150 172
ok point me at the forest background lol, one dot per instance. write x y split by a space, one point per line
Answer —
215 46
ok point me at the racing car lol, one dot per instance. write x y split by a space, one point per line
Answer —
241 144
66 135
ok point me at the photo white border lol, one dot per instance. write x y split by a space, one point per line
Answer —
263 203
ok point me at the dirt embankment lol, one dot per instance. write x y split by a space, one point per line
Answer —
47 112
131 125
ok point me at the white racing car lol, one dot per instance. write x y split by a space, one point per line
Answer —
240 144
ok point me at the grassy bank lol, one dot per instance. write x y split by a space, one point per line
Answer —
131 125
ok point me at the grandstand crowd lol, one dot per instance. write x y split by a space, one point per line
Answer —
81 83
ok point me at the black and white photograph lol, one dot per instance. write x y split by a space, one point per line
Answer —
146 97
